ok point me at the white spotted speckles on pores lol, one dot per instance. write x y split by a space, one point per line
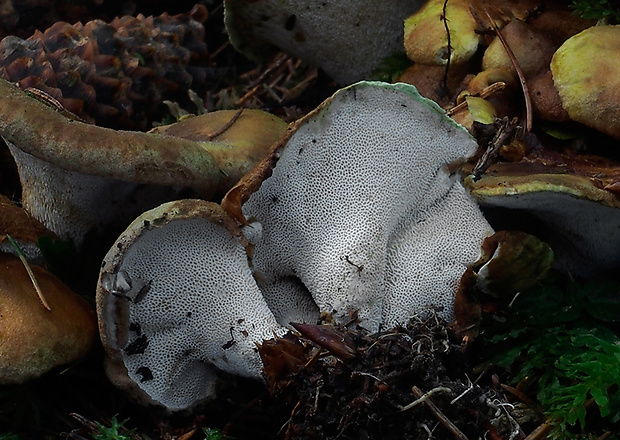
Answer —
177 303
362 209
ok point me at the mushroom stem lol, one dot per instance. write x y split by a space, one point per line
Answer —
143 158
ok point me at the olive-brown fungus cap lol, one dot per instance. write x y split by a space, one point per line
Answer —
240 139
361 207
77 177
586 74
426 38
577 217
33 339
348 39
177 305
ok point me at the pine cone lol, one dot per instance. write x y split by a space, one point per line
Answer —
113 74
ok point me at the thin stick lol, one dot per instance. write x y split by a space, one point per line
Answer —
226 126
456 432
21 256
515 63
445 23
422 397
504 134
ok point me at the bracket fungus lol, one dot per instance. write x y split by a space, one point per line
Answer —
347 39
354 211
361 207
33 339
78 177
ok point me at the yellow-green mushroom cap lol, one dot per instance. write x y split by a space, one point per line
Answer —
586 73
426 39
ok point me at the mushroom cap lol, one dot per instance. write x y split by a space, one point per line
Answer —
177 305
531 48
238 147
426 39
26 230
578 218
33 339
77 178
357 185
586 74
347 39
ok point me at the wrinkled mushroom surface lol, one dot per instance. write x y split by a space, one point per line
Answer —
347 39
177 305
362 209
34 340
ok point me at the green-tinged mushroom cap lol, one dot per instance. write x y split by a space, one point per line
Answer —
574 212
77 177
586 74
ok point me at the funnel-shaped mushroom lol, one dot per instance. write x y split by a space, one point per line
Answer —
33 339
360 215
361 206
177 303
78 177
347 39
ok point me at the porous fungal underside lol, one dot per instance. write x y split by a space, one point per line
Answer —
190 307
361 208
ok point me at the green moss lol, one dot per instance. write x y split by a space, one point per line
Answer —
608 10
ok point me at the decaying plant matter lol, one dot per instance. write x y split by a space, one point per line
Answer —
339 382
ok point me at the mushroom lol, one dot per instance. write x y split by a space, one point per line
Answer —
426 35
361 207
34 339
586 74
25 230
360 215
531 48
78 177
178 305
347 39
568 200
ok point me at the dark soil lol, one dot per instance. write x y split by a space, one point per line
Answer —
357 385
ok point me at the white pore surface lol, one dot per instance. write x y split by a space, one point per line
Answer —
349 181
584 234
428 255
348 39
203 310
72 204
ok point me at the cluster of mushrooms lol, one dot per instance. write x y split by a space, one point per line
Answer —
360 210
